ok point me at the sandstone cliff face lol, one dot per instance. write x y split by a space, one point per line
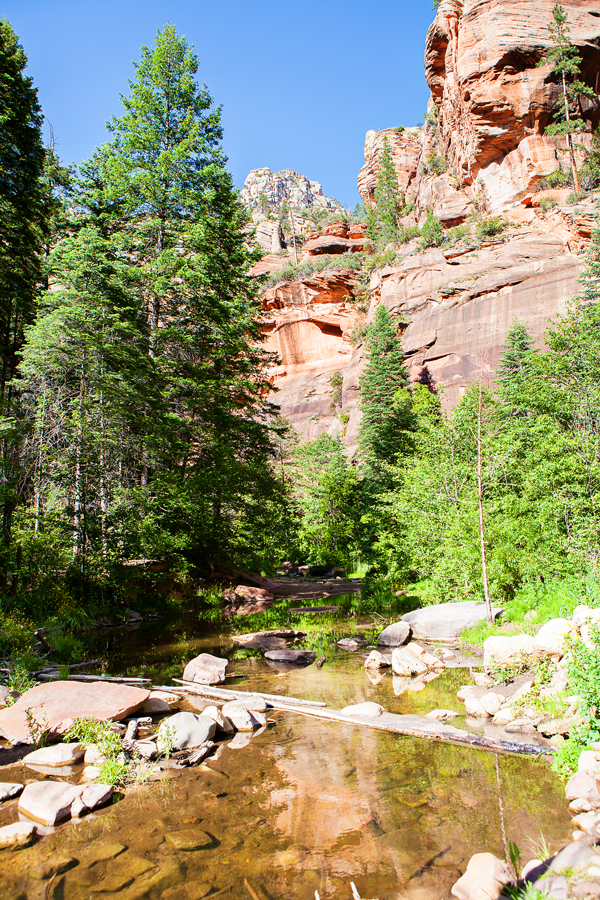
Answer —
493 101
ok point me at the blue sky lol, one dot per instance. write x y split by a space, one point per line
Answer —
300 83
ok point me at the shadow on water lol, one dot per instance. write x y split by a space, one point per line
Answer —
307 805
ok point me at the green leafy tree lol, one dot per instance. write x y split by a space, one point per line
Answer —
326 493
566 63
516 364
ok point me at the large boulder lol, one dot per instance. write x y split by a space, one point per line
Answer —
445 621
376 660
504 651
549 641
55 706
185 731
275 639
405 663
395 635
205 669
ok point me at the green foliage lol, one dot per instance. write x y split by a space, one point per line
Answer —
558 179
325 487
432 232
490 227
39 728
101 736
322 263
67 648
19 679
388 207
435 164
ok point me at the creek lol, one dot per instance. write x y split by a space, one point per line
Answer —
307 805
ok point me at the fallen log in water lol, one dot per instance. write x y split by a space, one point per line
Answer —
420 727
227 694
49 676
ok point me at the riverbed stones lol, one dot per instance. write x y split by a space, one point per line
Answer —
445 621
189 839
251 701
205 669
581 785
17 835
441 715
50 802
376 660
370 709
485 878
395 635
507 650
404 663
549 641
56 756
184 731
431 661
492 702
291 657
56 704
223 723
9 790
274 639
241 718
350 644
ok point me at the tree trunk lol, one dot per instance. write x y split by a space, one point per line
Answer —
570 136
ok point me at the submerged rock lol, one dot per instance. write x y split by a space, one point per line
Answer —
17 835
370 709
292 657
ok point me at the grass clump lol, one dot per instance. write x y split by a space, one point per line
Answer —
91 733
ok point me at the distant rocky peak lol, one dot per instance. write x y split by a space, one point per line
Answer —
265 192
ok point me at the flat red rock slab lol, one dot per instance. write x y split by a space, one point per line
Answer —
56 704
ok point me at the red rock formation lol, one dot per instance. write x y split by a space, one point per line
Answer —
494 102
405 147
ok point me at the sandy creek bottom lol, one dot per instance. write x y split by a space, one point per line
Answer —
307 805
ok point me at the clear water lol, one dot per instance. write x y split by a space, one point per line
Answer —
308 805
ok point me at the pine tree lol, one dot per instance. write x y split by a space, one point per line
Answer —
383 216
516 363
22 208
385 400
566 63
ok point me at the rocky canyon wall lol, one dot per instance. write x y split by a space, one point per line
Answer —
482 151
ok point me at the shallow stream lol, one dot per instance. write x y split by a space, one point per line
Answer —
307 805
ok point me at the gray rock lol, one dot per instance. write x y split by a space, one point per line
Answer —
251 701
240 740
574 856
485 878
372 710
48 802
550 638
292 657
146 749
17 835
185 731
555 887
9 789
404 663
223 723
395 635
350 644
376 660
241 718
441 715
56 756
583 786
507 650
445 621
205 669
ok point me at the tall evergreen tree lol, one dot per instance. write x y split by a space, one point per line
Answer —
385 401
383 216
566 63
516 364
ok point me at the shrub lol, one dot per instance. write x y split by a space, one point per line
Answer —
435 164
66 647
490 227
558 179
321 263
92 733
432 232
